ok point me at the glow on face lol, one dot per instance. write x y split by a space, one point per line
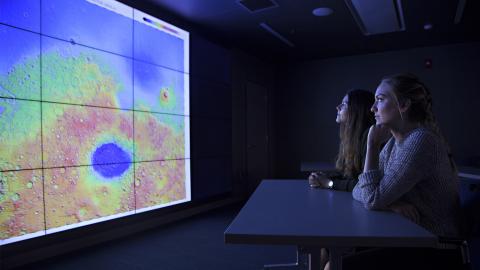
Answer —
342 110
385 107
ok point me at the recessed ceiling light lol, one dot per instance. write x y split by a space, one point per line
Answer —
323 11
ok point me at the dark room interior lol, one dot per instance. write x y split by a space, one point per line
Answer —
264 80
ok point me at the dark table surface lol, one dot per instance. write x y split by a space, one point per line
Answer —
470 173
289 212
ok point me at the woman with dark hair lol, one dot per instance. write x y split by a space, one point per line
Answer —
354 117
413 171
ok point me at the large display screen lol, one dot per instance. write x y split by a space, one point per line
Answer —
94 115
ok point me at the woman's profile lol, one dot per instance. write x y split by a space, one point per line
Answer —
354 117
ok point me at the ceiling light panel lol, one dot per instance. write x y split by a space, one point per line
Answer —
377 17
257 5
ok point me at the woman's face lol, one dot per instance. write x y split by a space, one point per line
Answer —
342 110
385 108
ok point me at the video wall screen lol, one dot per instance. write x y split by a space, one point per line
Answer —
94 115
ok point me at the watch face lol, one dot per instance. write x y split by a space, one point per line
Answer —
330 184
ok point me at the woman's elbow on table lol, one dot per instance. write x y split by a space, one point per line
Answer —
368 199
373 205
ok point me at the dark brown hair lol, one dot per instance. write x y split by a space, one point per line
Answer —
353 131
407 86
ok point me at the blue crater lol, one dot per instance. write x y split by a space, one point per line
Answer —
117 159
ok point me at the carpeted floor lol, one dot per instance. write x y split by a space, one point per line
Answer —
193 243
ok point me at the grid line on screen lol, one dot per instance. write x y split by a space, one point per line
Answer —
160 66
105 51
20 28
94 164
96 106
133 142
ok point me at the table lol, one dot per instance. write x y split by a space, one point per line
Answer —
289 212
469 173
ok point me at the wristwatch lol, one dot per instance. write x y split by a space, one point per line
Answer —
330 184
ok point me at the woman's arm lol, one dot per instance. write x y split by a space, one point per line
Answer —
344 184
377 136
410 164
374 157
339 182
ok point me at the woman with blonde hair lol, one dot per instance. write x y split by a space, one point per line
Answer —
414 172
415 166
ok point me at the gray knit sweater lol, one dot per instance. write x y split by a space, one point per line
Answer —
415 170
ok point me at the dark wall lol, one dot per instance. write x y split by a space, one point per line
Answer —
308 92
211 118
246 70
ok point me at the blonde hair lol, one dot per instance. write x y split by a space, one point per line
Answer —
407 86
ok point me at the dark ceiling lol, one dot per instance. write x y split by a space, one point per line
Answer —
320 37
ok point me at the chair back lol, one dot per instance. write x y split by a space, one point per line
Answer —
470 202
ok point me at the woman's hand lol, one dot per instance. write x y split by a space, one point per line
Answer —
318 179
407 210
377 135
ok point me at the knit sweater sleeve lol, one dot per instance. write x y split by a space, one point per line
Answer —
401 167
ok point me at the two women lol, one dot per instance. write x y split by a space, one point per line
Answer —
412 174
